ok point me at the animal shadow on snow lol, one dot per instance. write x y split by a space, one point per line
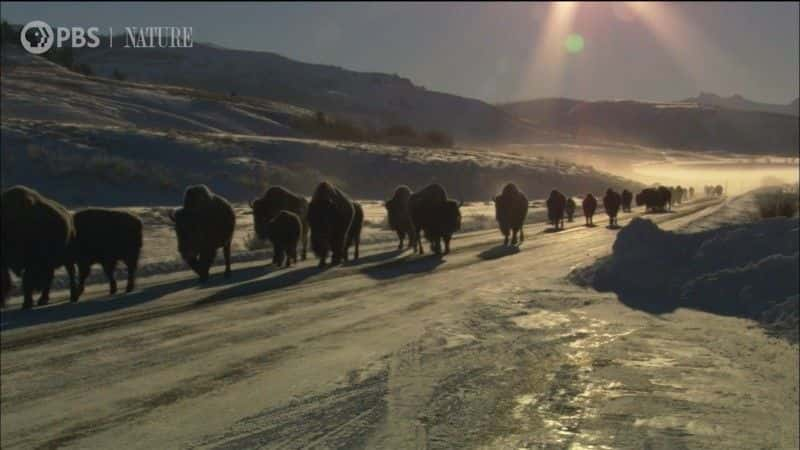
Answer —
283 278
59 312
553 230
498 251
404 266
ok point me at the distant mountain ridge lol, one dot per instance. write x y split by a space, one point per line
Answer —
366 98
681 125
738 102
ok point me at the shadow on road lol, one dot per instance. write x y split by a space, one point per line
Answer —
404 266
498 252
281 279
14 319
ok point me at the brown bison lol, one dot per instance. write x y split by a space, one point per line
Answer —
510 211
627 199
556 204
653 199
275 200
611 202
425 207
570 208
691 192
285 230
37 238
446 220
204 224
331 214
589 207
105 236
400 216
354 235
666 194
718 190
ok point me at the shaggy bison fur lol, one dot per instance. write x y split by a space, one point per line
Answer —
425 207
627 199
105 236
446 220
611 202
37 237
400 216
589 207
204 224
556 204
330 215
510 210
284 233
275 200
653 199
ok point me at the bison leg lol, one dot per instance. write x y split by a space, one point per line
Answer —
514 237
131 264
521 234
446 245
109 267
84 269
204 262
73 287
305 240
401 236
47 280
226 251
28 282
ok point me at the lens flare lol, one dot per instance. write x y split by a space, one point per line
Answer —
574 43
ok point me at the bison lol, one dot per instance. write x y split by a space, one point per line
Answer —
285 230
691 192
275 200
589 207
570 209
105 236
37 238
653 199
611 202
354 235
556 204
204 224
399 216
627 199
718 190
331 214
425 206
510 210
446 220
666 195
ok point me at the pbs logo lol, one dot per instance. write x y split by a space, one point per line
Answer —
36 37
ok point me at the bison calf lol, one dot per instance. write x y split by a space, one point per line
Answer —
275 200
284 233
104 236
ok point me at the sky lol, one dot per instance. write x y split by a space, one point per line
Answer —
499 52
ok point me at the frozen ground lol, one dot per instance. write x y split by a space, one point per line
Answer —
485 348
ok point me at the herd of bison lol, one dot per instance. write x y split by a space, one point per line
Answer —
39 235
